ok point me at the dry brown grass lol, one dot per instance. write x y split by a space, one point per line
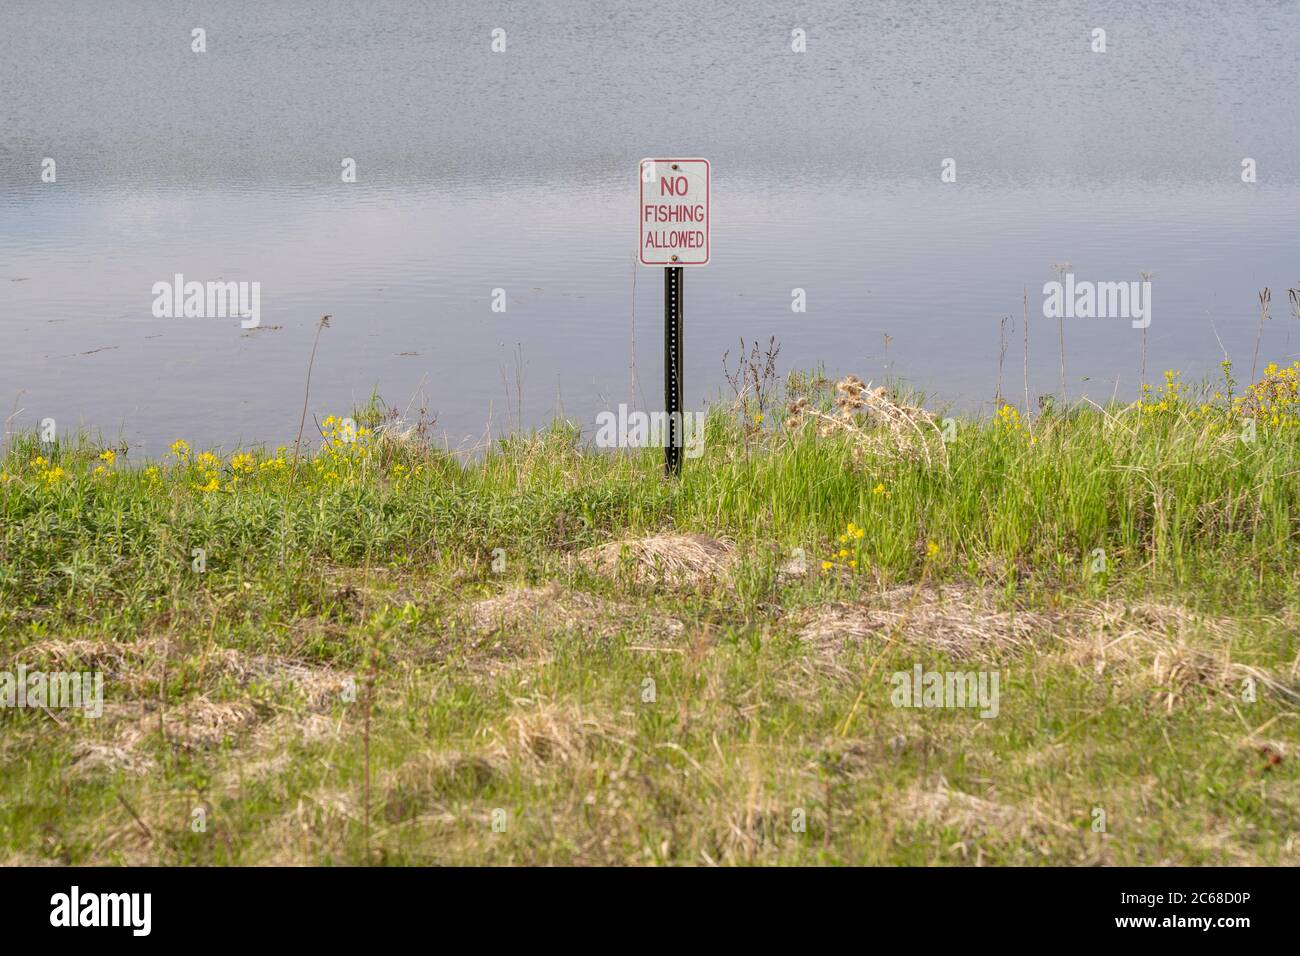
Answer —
127 666
545 609
675 560
541 733
879 424
579 775
973 816
92 756
963 622
1167 648
119 740
1161 648
114 742
536 613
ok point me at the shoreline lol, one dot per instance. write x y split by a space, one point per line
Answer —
852 631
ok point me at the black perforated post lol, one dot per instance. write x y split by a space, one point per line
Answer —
673 368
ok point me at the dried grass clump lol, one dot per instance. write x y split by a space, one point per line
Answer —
962 622
116 659
676 560
1171 648
129 667
399 435
125 730
91 756
879 423
319 687
1162 647
268 752
196 724
974 816
552 609
548 608
542 733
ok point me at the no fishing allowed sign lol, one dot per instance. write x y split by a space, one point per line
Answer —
674 212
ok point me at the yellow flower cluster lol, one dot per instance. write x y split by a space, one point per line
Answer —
49 475
207 468
343 431
345 447
1275 399
402 474
206 465
1169 398
276 464
52 476
345 450
844 558
1007 419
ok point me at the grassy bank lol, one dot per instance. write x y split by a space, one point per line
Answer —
379 651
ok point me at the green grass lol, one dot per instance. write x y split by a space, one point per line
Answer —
341 609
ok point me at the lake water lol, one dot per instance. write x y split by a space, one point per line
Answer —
479 170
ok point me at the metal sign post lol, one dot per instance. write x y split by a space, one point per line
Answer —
675 232
673 368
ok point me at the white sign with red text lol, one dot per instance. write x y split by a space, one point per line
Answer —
674 212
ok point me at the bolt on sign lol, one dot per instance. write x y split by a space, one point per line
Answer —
674 212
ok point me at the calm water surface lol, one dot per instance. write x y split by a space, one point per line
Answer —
517 170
